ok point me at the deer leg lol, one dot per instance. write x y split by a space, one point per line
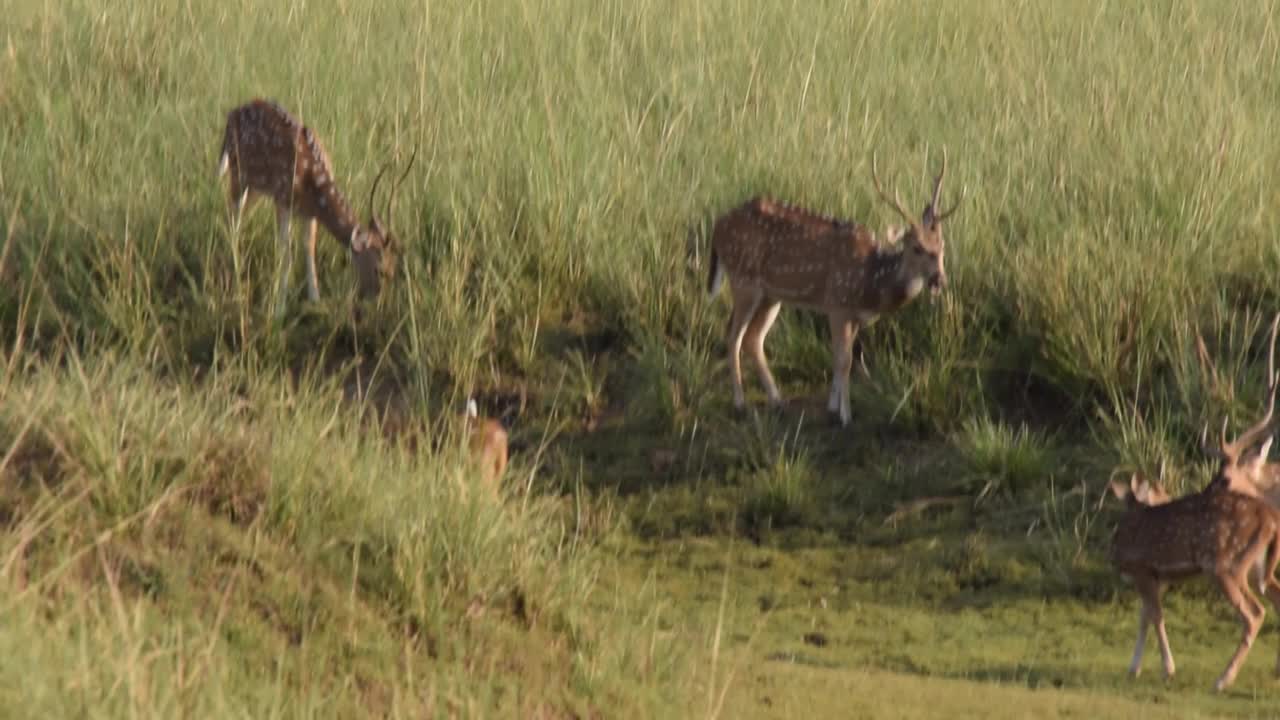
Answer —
313 285
763 319
284 263
1152 613
239 199
1271 589
1135 665
1155 616
744 308
1235 587
843 331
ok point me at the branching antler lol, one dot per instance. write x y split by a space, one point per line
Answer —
1231 450
935 203
894 201
374 190
391 201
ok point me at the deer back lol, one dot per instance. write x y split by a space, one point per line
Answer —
794 255
272 153
1193 534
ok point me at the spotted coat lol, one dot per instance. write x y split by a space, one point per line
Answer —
262 142
804 258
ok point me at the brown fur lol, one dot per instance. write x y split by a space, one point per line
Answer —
775 253
267 151
488 445
1214 532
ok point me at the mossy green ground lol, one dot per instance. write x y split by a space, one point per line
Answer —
208 513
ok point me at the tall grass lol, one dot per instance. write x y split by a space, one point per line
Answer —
1115 160
244 550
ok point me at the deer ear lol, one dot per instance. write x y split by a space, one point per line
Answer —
1119 489
1141 489
1261 458
358 241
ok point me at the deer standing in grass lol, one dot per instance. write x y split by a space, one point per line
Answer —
487 443
774 253
1220 531
267 151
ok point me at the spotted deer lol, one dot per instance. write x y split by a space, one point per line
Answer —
267 151
1213 532
774 253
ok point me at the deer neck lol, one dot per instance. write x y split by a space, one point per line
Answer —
893 285
335 214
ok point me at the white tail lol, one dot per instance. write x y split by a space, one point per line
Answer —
774 253
267 151
716 278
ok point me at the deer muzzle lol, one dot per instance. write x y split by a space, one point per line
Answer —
937 283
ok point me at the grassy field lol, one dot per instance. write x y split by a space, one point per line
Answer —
208 513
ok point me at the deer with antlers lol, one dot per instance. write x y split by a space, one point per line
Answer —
267 151
1225 531
1251 475
775 253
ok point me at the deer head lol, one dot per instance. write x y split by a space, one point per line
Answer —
1139 491
1237 468
374 248
922 242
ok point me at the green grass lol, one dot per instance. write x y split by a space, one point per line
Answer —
238 548
209 513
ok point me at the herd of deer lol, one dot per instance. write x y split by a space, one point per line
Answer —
773 253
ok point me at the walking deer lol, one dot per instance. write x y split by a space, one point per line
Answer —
267 151
1227 530
775 253
1213 532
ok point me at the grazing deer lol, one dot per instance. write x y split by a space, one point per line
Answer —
487 444
267 151
775 253
1213 532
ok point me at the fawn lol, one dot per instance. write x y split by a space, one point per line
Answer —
487 443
